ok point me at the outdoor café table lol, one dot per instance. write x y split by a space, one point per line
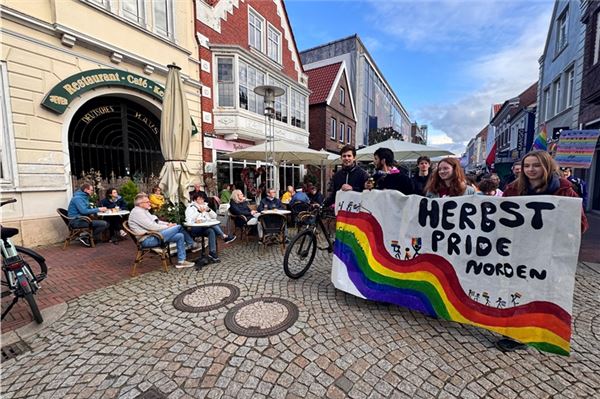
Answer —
110 214
279 211
207 223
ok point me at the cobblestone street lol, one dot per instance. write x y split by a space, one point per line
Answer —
128 339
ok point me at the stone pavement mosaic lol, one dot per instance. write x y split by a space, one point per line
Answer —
128 339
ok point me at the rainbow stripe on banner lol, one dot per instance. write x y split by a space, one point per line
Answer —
428 283
541 141
576 148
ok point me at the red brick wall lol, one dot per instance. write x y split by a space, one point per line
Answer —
320 121
234 31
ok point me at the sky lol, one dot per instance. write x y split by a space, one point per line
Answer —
447 61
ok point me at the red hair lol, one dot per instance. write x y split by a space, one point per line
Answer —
457 185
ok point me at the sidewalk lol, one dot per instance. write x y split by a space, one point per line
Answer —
78 270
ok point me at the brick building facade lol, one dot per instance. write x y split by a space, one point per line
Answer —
331 108
245 44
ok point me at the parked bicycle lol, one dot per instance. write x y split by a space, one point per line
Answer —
301 251
19 278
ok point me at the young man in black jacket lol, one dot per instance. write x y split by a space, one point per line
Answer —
388 177
350 178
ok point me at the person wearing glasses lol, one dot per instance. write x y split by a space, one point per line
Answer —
142 221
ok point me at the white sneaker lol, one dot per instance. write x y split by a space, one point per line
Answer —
122 233
183 264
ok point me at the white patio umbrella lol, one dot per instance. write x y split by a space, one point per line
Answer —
175 133
283 151
402 150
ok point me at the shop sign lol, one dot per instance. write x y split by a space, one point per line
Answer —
61 95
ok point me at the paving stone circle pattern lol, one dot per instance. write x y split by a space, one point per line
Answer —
206 297
261 317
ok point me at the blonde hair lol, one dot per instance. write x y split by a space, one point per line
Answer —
139 198
236 195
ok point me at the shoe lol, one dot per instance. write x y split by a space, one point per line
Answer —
213 257
122 233
196 247
229 239
85 241
508 345
287 240
183 264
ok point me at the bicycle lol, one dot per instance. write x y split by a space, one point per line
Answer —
18 275
301 251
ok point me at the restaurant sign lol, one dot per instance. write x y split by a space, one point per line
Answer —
61 95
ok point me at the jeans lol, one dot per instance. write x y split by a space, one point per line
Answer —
210 232
176 234
98 226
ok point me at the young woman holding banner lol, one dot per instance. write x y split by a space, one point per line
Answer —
448 180
539 176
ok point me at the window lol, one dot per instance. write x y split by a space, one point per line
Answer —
546 104
273 44
162 17
342 131
103 3
6 148
349 135
570 86
597 41
255 29
251 77
281 111
298 110
133 10
561 32
556 96
342 96
225 81
333 128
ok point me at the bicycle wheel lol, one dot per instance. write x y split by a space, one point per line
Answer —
37 315
300 254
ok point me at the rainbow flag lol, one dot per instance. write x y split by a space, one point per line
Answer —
541 141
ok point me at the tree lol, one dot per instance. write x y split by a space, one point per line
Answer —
383 134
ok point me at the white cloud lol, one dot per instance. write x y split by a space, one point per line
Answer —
447 25
500 76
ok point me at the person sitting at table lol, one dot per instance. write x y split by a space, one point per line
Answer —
213 202
157 199
299 196
199 212
314 195
225 194
142 221
238 206
115 223
270 202
287 196
80 206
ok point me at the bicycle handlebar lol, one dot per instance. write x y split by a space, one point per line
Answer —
7 201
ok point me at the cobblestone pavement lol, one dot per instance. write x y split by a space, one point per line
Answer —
127 339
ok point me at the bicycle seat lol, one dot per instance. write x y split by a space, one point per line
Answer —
7 232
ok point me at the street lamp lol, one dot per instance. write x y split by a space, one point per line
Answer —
269 93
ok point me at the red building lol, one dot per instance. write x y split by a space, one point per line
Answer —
332 113
244 45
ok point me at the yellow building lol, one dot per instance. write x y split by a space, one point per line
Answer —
82 84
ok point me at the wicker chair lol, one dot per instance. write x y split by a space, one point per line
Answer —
239 223
75 232
273 229
162 249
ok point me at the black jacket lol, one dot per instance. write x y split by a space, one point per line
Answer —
419 183
269 204
240 209
395 181
354 176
